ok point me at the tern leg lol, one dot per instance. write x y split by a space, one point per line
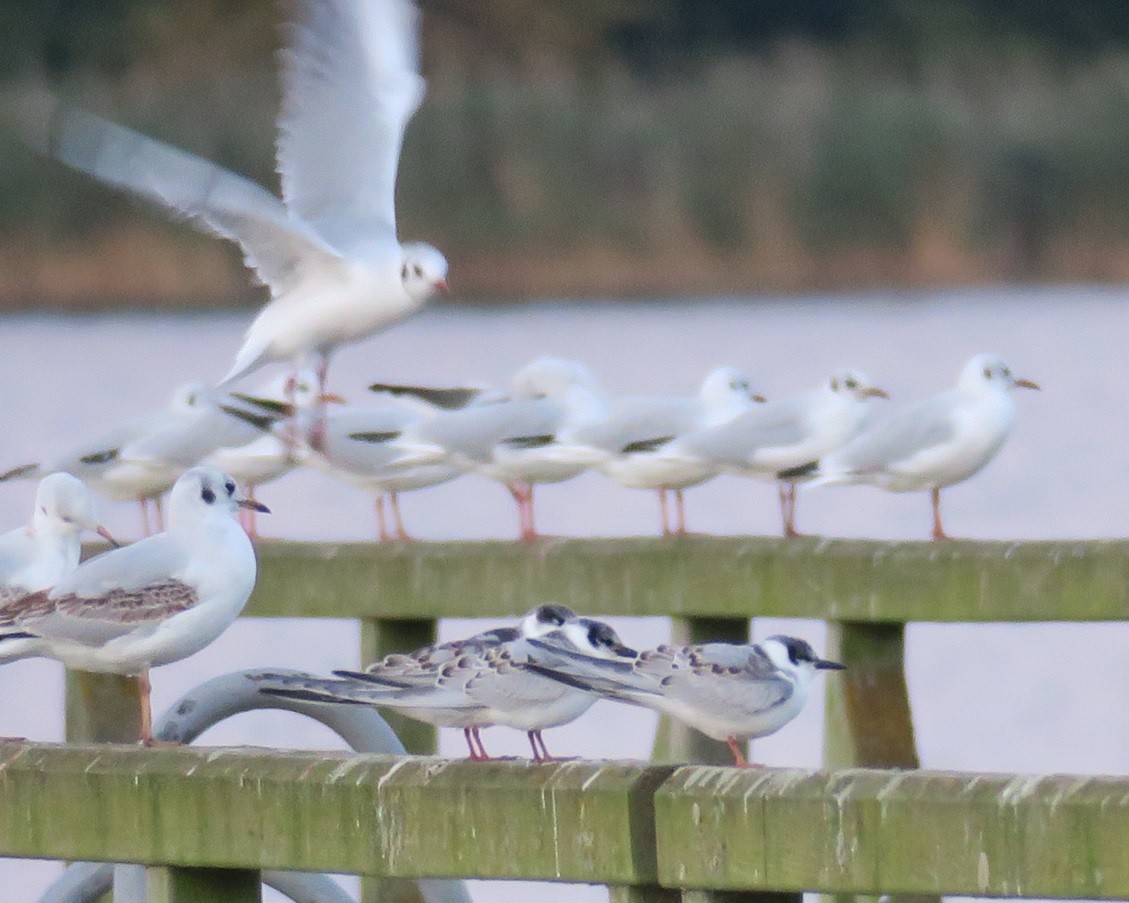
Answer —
938 530
738 755
483 755
381 526
401 534
470 744
680 506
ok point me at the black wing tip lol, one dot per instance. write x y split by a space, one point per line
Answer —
19 635
262 422
307 696
527 442
24 470
447 399
646 445
796 473
376 437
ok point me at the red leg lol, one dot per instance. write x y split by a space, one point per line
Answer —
401 533
381 526
146 530
680 505
159 507
317 436
533 743
738 756
662 512
938 530
788 509
469 735
483 755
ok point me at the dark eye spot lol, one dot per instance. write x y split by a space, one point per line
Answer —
43 508
418 270
987 372
230 487
834 385
208 496
852 384
404 271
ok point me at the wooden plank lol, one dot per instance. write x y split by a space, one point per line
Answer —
678 742
706 577
912 832
328 811
202 885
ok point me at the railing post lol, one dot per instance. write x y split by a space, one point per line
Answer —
202 885
675 742
379 637
867 720
643 894
102 708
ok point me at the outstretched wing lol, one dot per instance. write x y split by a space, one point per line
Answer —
351 82
275 246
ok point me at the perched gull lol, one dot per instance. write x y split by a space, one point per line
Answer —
360 446
515 440
481 682
38 556
633 428
780 435
151 603
727 691
328 249
273 453
140 460
935 443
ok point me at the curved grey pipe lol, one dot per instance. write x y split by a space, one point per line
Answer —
208 704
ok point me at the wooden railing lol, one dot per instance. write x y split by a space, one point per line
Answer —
652 832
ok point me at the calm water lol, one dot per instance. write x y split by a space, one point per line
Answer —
1060 694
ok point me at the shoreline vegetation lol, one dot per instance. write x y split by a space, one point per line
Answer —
791 166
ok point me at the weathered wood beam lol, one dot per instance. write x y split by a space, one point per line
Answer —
697 828
911 832
706 577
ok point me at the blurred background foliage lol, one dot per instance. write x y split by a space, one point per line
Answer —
624 146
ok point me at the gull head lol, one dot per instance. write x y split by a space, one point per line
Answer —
203 493
854 384
65 507
423 271
726 386
545 619
550 377
796 656
989 373
596 639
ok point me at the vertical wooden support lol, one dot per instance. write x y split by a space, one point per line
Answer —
379 637
676 742
734 896
201 885
643 894
867 720
102 708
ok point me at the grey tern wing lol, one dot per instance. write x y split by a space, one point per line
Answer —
351 83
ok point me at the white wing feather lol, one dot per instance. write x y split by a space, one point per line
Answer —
350 84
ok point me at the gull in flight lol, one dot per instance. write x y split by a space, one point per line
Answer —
779 435
141 459
327 249
39 555
154 602
935 443
635 427
728 691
